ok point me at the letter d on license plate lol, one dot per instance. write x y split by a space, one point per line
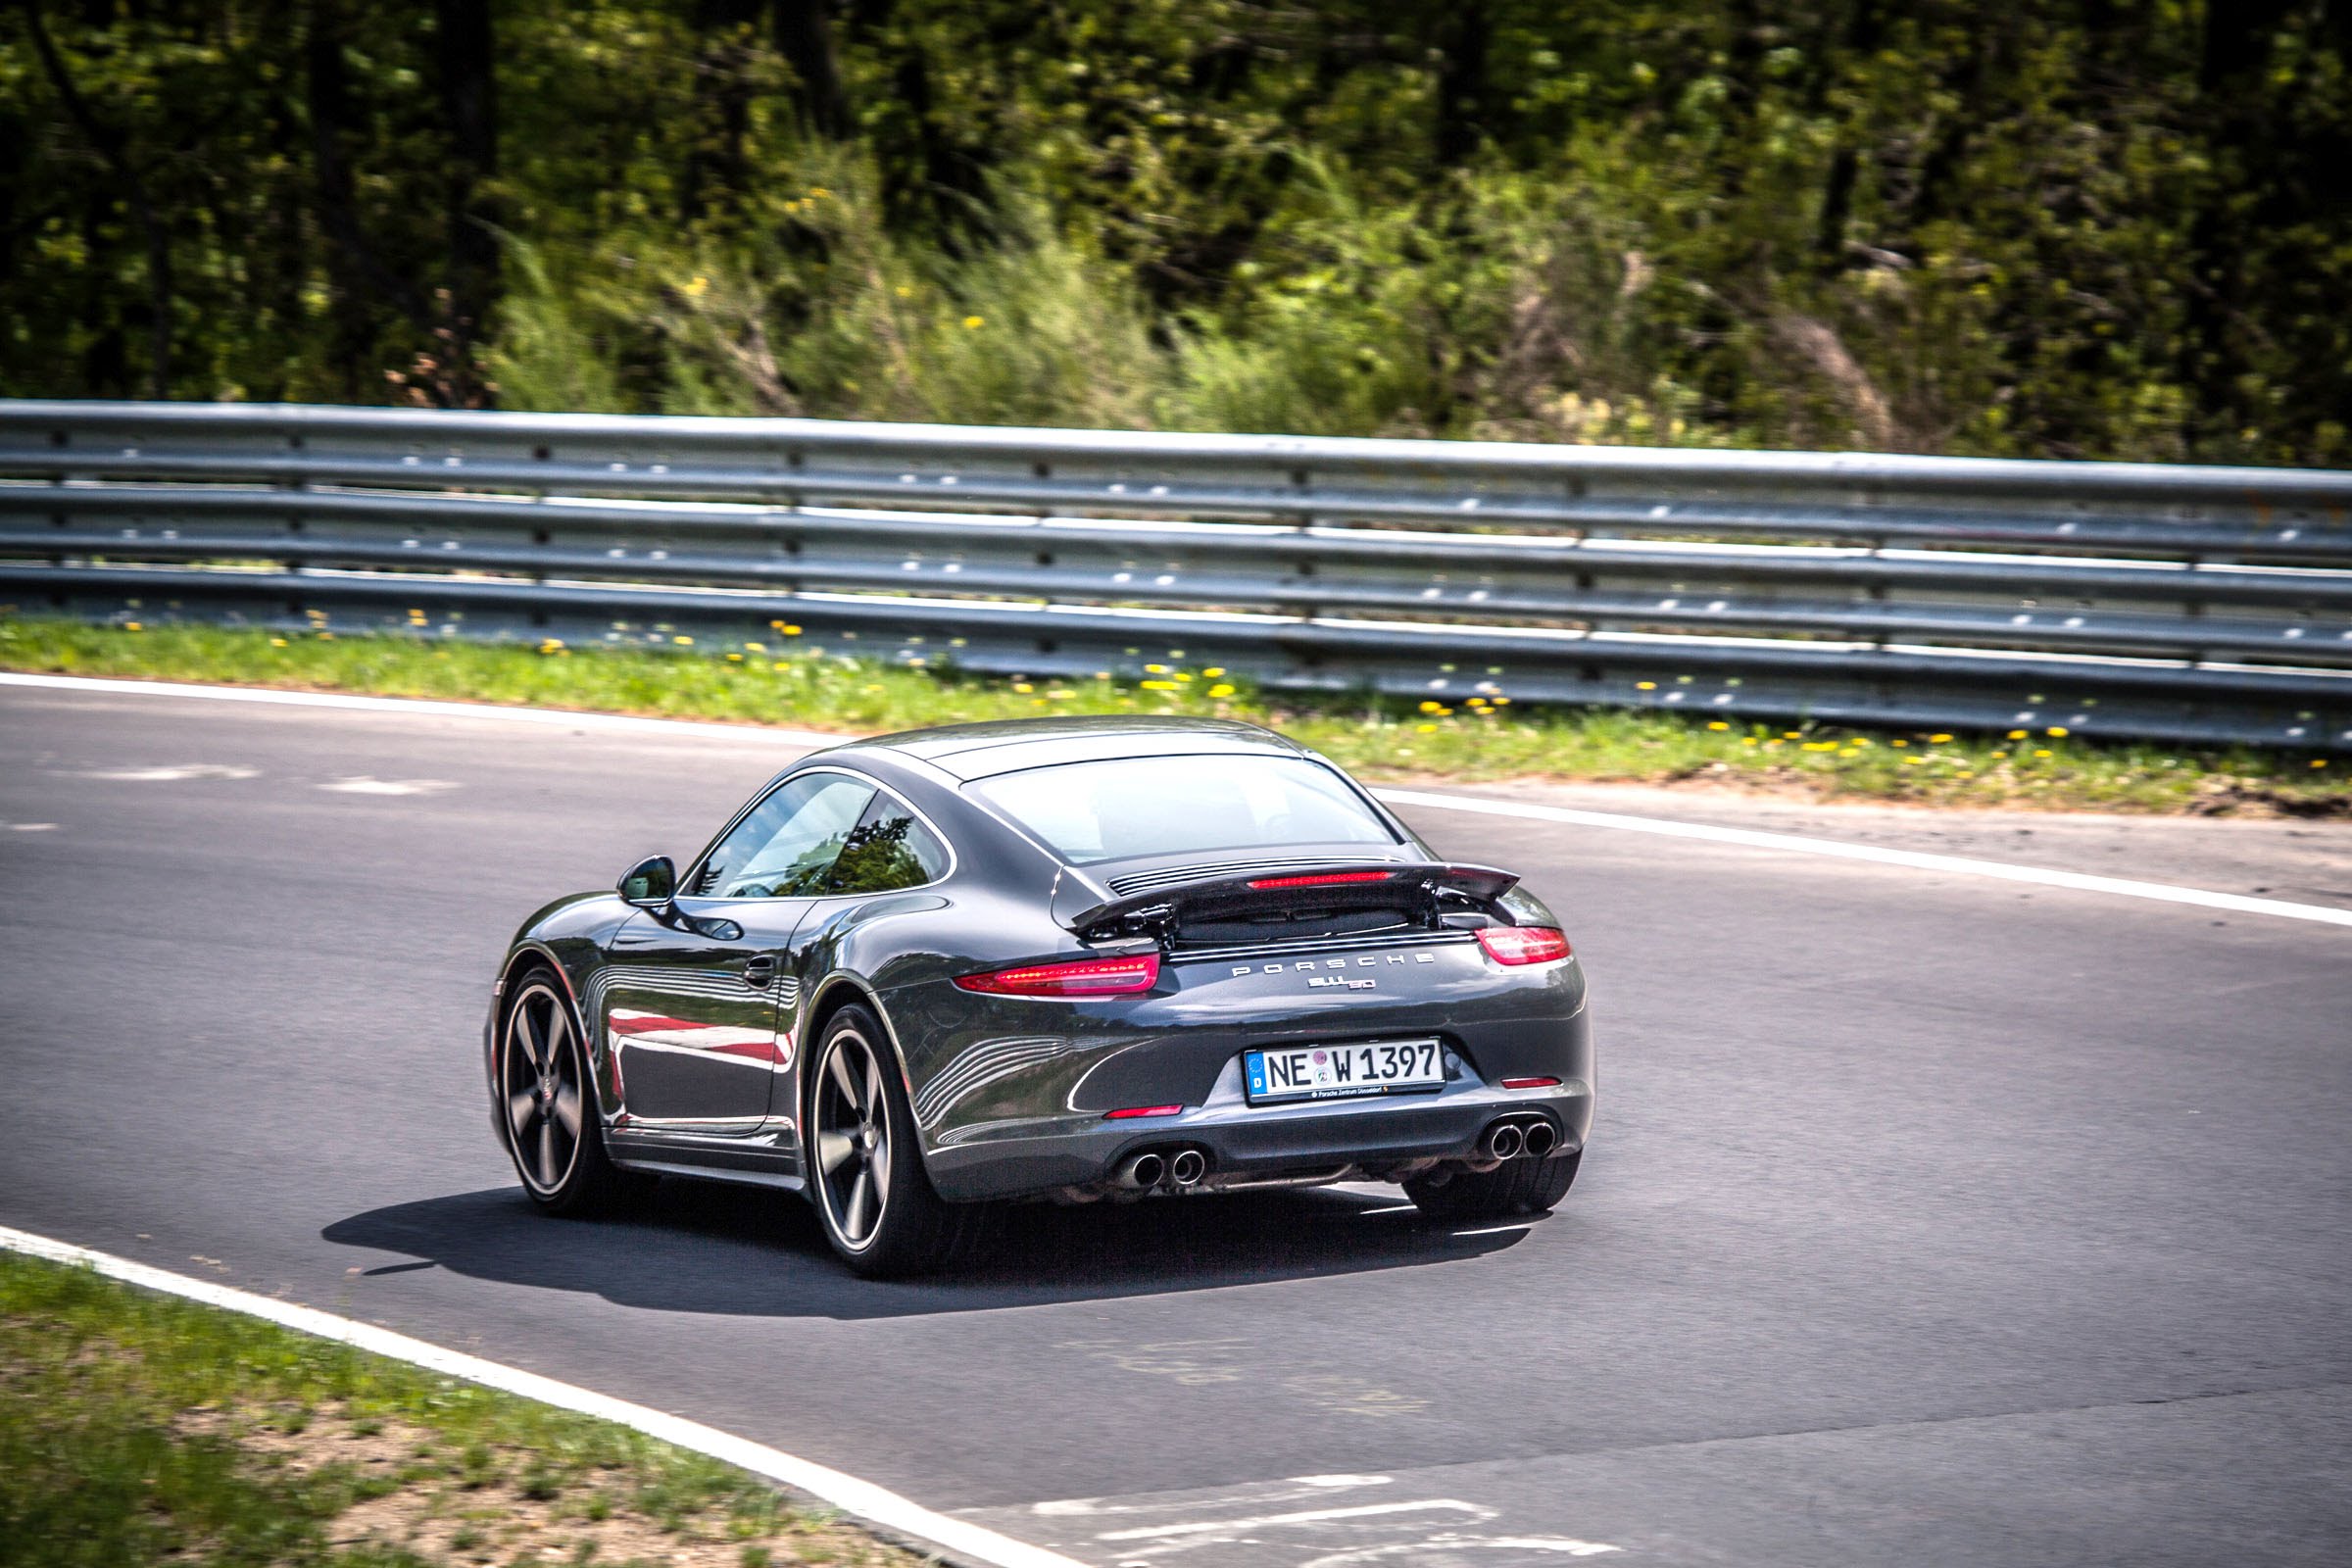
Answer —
1342 1072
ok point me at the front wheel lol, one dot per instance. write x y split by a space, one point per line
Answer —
547 1103
865 1165
1513 1188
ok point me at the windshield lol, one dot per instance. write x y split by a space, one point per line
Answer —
1137 806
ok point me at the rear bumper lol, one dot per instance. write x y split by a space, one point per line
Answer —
1245 1142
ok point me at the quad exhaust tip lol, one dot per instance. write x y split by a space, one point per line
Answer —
1188 1167
1505 1142
1539 1139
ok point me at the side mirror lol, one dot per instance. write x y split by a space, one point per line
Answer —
651 884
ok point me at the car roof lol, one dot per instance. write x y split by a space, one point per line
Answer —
968 751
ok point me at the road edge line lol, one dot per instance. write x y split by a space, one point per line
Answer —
895 1517
1750 838
1842 849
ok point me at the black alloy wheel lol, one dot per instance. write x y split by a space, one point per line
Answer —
865 1165
547 1104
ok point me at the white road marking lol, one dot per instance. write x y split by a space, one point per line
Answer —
1794 843
174 774
1497 1230
1393 1208
32 827
607 723
1449 1544
361 784
868 1502
1292 1490
1306 1516
1915 860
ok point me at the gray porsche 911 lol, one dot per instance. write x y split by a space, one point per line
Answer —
1070 959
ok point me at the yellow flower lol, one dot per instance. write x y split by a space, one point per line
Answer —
1646 685
2000 753
905 293
1717 724
696 288
1213 671
2318 761
1905 743
973 324
735 659
2017 734
1160 685
683 642
1791 735
2042 750
755 647
324 636
277 642
2057 729
132 625
1156 669
1426 729
1223 690
1503 701
1939 738
1023 687
791 631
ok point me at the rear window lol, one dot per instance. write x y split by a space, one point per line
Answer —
1136 806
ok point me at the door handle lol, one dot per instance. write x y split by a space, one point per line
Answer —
759 970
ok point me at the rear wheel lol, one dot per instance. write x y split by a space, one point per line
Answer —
865 1165
1513 1188
547 1102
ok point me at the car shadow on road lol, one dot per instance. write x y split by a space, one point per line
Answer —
694 1246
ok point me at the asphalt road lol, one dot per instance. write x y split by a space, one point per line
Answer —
1929 1219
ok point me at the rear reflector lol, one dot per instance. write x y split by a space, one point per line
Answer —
1522 944
1531 1083
1321 879
1140 1110
1081 977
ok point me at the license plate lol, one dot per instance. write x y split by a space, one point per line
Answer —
1342 1072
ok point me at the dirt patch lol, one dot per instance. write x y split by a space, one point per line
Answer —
499 1505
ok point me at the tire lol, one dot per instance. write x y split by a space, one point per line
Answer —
547 1106
1513 1188
874 1201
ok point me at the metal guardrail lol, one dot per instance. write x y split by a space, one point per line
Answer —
2187 603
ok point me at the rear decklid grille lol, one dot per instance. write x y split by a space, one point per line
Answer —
1168 876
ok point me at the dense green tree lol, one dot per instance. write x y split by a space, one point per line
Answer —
2072 228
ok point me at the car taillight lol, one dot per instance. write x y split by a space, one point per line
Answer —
1320 879
1130 1112
1531 1083
1080 977
1523 944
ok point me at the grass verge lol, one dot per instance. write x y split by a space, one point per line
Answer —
1476 739
138 1430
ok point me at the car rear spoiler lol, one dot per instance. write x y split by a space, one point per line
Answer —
1339 884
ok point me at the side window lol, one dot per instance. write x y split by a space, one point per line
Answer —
786 846
889 849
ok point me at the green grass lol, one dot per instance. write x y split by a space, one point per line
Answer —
140 1430
783 682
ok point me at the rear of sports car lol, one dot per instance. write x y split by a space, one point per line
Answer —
1337 1011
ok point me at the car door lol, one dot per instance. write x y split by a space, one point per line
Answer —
699 1000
